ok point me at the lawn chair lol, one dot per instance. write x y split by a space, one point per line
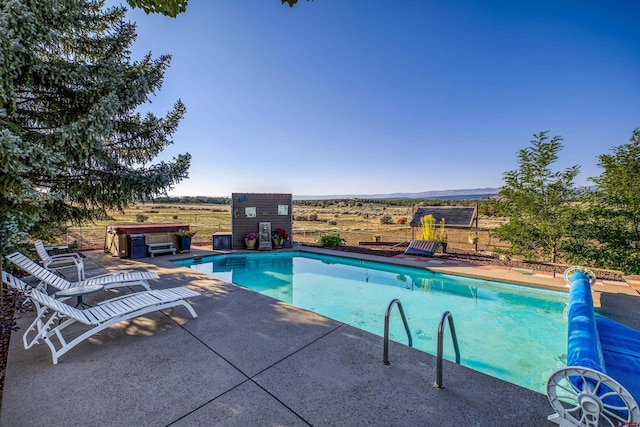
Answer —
62 260
111 280
102 316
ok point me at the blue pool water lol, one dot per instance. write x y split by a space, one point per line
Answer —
515 333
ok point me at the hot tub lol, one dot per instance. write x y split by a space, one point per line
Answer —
116 238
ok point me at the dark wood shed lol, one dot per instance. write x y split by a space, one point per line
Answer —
250 210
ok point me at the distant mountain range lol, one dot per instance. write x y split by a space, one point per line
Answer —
466 194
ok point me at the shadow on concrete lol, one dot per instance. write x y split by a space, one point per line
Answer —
622 308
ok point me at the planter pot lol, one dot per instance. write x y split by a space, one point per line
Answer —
185 243
473 241
444 247
250 243
277 243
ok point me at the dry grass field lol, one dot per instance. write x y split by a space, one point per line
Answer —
366 222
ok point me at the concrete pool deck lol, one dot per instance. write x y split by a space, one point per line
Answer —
250 360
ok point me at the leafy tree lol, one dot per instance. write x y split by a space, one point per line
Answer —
608 234
72 142
490 207
172 7
290 2
166 7
537 200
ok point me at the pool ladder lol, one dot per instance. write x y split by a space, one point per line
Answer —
446 316
385 352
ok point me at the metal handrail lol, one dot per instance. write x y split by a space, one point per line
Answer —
445 316
385 353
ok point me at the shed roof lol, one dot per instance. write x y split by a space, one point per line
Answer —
454 216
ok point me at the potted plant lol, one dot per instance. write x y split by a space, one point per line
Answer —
441 236
278 237
250 240
473 238
184 238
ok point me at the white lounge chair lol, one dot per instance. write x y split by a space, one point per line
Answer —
100 317
56 261
112 280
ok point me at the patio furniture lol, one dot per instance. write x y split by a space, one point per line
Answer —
102 316
79 292
111 280
62 260
601 383
161 248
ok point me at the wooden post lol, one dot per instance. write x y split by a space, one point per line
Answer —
413 229
476 245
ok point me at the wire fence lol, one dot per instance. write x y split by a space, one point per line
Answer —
94 238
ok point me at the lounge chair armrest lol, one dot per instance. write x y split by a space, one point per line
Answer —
67 257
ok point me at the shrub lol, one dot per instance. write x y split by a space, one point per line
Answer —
401 220
330 240
428 224
73 246
183 233
175 217
141 218
332 222
386 219
313 217
301 218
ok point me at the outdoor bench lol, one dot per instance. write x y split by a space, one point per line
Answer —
161 248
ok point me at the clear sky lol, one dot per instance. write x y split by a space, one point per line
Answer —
364 97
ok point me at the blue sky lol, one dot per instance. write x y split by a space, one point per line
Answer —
363 97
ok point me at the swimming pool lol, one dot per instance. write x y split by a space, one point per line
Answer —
515 333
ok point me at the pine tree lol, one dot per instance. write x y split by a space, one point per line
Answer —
72 143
